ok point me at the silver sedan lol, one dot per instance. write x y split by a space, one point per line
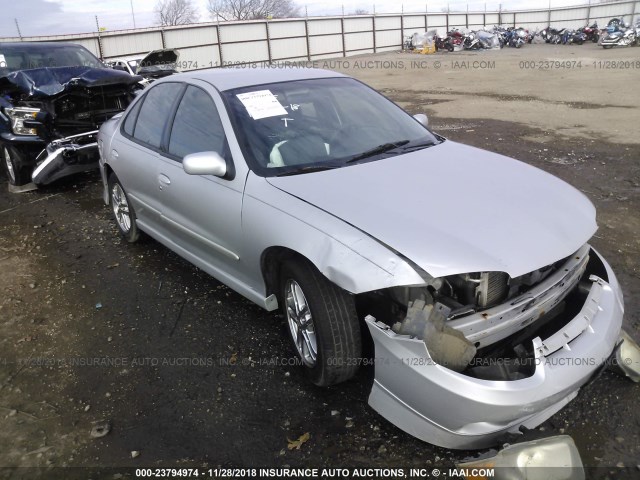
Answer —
308 191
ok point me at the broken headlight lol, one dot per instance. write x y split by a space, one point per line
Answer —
551 458
18 116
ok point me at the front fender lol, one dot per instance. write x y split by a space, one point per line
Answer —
345 255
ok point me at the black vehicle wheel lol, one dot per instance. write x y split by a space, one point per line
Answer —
450 47
595 38
323 323
122 210
13 163
607 46
580 42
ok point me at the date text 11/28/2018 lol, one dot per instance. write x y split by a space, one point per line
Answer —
369 473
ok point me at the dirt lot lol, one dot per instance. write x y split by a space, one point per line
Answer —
94 331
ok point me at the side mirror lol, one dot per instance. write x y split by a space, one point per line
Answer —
205 163
422 118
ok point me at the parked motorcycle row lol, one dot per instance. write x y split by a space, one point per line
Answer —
617 33
461 39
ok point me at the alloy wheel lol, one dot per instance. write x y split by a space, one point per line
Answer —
301 323
120 207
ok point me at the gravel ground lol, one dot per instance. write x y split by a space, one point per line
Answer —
198 376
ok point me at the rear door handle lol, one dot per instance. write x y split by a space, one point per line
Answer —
163 181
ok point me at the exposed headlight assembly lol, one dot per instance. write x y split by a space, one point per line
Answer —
551 458
18 116
628 357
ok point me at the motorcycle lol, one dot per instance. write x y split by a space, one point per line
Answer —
517 37
456 38
488 40
621 35
592 32
566 36
407 44
552 35
500 33
471 42
444 43
573 36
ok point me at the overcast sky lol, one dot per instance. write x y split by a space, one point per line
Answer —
53 17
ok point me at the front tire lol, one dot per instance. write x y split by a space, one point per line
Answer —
322 323
13 163
123 211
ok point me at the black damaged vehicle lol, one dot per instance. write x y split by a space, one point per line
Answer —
53 99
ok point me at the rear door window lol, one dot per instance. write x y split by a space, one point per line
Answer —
154 113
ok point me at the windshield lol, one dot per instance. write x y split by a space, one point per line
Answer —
33 55
307 125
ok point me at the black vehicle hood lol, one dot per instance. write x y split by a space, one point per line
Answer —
159 63
47 82
166 56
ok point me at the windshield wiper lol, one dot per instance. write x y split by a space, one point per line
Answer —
309 169
385 147
418 146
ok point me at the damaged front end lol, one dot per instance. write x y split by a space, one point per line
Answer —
49 116
476 357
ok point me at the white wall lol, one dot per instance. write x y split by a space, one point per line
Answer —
211 45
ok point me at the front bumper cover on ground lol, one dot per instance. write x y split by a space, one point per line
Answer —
452 410
66 156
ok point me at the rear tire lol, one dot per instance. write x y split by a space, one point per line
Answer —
323 323
123 212
13 164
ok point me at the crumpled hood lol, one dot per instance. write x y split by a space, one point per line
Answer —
454 209
47 82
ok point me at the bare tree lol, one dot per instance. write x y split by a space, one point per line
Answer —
176 12
360 11
252 9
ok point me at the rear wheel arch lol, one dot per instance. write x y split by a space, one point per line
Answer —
108 171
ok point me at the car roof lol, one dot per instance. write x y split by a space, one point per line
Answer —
237 77
26 45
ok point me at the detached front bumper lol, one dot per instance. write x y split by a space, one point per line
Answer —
453 410
66 156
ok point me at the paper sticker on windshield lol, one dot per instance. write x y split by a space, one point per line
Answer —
262 104
3 62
